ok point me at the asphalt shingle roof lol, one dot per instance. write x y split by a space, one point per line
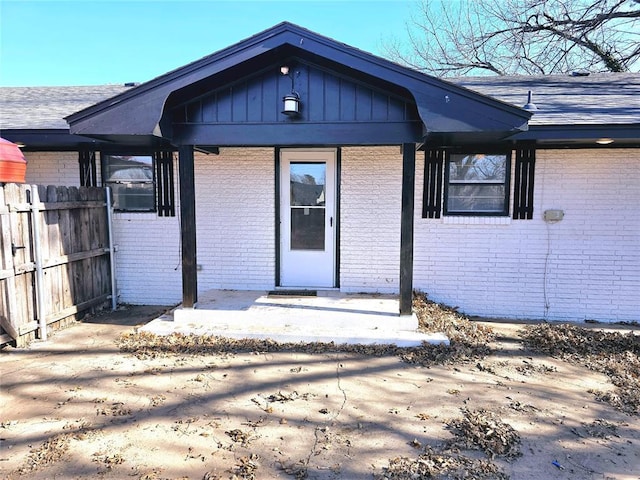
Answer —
46 107
596 99
605 98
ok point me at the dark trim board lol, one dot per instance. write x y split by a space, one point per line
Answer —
338 222
277 213
297 134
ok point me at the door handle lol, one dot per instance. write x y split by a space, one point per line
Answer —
331 221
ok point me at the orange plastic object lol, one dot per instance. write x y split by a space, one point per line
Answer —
13 166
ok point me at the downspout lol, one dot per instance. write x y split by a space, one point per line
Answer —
112 258
37 254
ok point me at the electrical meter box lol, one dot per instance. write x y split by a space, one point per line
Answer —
553 215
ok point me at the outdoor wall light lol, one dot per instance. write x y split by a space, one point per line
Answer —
604 141
291 101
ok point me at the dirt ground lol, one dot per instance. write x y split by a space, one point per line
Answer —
76 407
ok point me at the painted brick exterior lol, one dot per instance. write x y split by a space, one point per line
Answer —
370 201
53 168
148 260
235 211
587 266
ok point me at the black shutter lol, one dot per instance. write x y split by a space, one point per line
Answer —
165 195
432 187
87 163
523 188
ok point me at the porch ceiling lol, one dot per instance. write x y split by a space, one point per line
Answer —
440 107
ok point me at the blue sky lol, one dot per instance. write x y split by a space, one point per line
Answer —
98 42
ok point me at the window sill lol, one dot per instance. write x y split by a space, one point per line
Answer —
462 220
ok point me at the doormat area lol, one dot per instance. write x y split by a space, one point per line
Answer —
293 293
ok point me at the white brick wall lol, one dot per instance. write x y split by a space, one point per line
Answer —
53 168
586 266
235 211
148 260
370 219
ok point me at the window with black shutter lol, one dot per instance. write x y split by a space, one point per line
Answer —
476 183
141 182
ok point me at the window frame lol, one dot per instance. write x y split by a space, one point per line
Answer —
507 153
154 181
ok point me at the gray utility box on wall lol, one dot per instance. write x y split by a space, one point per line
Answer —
553 215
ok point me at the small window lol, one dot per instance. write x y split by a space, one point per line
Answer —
131 180
477 184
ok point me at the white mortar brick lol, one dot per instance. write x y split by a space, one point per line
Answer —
235 211
586 266
53 168
370 219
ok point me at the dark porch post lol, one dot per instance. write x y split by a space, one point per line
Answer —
406 227
188 226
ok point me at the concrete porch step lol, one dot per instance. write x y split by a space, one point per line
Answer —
295 334
331 316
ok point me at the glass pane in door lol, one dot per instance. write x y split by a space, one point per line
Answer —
307 228
307 184
307 196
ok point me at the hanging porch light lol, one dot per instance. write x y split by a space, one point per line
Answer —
291 101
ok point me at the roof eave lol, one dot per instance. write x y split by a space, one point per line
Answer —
441 105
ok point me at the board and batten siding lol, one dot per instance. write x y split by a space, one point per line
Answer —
585 267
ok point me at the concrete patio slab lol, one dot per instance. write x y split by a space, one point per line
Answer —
329 316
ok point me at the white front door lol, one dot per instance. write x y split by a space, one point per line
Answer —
307 218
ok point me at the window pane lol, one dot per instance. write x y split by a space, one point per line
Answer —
307 229
131 180
128 168
476 198
133 196
477 168
307 182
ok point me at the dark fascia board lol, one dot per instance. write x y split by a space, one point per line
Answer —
60 140
580 133
50 139
443 106
549 136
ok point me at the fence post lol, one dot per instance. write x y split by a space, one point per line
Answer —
37 254
112 259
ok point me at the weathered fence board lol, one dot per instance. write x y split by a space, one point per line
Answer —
54 257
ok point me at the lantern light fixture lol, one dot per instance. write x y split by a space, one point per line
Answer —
291 101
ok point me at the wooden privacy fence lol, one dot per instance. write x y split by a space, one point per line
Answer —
55 253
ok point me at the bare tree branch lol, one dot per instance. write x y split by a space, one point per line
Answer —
501 37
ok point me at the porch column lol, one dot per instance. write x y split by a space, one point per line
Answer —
188 226
406 227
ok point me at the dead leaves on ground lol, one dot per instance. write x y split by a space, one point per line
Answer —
614 354
439 464
476 430
469 341
482 430
51 451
